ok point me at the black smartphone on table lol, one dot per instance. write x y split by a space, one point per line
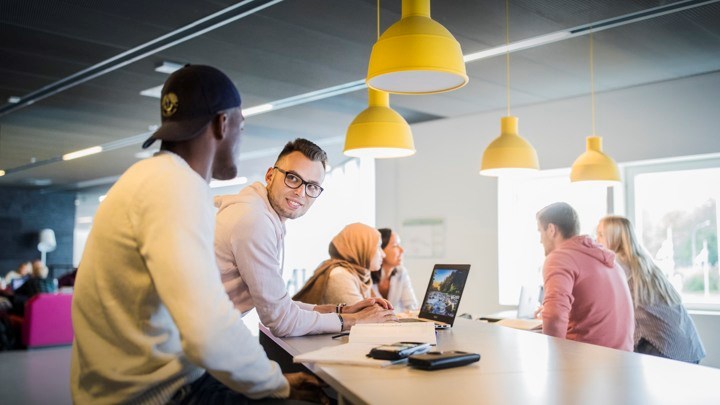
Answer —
441 360
397 351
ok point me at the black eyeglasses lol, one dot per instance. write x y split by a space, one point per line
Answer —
294 181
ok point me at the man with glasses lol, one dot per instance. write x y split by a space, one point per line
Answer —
249 245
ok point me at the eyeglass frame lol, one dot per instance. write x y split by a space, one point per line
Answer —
302 182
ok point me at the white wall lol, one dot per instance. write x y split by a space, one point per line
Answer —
674 118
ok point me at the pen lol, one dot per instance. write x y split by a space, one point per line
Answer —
341 335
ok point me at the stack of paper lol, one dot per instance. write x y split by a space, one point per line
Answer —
364 337
389 333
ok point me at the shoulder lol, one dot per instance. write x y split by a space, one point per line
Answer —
340 272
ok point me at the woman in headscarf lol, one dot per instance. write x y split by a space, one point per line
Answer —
662 324
354 253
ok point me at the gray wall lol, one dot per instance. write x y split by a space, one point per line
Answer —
23 213
667 119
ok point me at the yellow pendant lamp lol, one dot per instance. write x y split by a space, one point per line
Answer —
594 165
416 55
379 131
509 153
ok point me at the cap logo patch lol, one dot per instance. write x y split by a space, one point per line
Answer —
169 104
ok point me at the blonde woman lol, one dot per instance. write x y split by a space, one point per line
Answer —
662 325
345 276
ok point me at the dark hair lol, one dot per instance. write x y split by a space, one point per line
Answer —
385 234
307 148
563 216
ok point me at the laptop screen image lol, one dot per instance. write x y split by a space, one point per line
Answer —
442 297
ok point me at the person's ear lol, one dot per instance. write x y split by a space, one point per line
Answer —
269 175
552 230
220 125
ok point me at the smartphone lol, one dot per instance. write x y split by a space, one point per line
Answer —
397 351
440 360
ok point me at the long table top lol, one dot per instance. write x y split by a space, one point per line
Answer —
518 367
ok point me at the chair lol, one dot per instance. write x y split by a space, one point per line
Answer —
47 321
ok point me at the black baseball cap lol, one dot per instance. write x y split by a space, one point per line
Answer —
190 98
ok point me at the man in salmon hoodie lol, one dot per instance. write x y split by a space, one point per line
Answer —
586 295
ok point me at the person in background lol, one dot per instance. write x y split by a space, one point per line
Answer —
392 282
152 322
355 252
250 244
23 271
586 296
663 326
38 281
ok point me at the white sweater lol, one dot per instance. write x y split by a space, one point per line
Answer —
249 238
149 310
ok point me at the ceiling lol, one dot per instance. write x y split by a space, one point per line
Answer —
290 48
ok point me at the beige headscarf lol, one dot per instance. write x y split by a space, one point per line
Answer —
352 249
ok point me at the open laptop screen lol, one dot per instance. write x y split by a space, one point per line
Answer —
444 291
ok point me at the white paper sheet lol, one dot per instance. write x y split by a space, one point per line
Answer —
353 354
389 333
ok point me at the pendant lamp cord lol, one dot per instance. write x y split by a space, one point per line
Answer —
507 53
592 82
378 19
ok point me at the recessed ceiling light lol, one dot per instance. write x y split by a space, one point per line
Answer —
13 99
258 109
82 152
152 92
168 67
40 182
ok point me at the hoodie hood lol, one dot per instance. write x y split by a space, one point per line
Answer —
585 245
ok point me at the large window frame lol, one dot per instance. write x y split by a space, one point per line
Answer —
635 169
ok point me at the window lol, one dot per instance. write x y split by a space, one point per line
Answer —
349 197
674 206
520 254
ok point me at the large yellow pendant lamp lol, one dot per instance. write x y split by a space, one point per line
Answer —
594 165
379 131
509 153
416 55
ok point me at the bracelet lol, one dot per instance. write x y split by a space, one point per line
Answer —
342 323
339 307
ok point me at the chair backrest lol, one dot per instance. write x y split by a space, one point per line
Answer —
48 321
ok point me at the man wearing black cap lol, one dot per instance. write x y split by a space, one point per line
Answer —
150 314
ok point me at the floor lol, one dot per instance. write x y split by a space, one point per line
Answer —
38 376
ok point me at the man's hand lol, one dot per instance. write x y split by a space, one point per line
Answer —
368 302
538 312
306 387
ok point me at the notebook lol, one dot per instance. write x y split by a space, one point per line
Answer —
442 297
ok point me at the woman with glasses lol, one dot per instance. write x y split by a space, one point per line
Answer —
662 324
392 282
345 277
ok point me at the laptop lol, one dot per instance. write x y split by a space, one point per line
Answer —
530 299
442 297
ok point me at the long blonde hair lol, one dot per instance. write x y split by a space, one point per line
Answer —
647 282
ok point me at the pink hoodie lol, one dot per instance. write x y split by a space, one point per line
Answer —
586 296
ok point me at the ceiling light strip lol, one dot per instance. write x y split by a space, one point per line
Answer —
190 31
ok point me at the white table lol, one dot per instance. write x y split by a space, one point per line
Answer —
518 367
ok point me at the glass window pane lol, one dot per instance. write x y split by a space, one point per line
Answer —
521 256
676 216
